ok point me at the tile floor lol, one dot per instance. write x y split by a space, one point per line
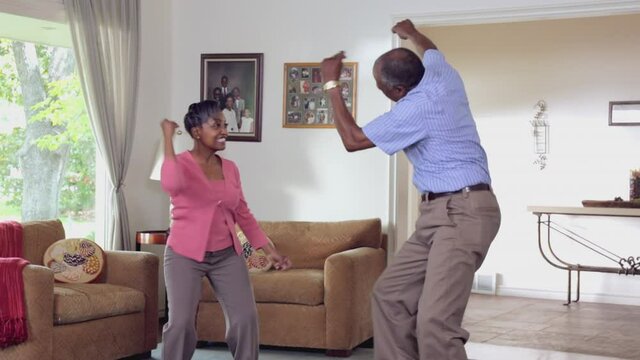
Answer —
586 328
506 328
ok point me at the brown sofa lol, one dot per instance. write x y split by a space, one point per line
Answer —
324 300
114 317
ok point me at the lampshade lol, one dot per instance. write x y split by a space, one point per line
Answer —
181 142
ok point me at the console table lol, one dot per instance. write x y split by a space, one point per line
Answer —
625 265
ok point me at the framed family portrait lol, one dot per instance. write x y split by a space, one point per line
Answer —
235 80
305 104
624 113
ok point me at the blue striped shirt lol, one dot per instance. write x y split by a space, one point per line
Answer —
434 126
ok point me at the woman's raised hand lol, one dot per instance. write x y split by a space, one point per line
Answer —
168 127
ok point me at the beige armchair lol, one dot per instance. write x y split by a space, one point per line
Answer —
324 300
112 318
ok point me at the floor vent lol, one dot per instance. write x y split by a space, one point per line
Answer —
484 284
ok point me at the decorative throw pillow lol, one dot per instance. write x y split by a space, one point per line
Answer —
74 260
257 260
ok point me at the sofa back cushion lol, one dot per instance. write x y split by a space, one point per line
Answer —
309 244
38 236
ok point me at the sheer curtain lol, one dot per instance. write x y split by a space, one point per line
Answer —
105 38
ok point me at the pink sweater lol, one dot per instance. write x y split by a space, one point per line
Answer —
195 204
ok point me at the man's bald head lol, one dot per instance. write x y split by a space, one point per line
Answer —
399 67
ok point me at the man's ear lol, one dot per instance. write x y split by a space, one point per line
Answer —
400 90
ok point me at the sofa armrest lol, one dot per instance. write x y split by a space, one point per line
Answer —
137 270
38 296
349 277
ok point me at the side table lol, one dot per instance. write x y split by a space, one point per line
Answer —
154 237
151 237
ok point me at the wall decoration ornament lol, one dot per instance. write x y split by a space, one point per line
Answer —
540 134
305 104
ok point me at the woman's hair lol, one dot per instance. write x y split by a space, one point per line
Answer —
199 113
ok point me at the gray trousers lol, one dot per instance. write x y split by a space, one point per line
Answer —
229 277
419 300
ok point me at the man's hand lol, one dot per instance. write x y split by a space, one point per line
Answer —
404 29
331 67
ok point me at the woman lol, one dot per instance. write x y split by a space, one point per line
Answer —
207 199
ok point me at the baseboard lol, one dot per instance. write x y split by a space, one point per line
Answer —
562 295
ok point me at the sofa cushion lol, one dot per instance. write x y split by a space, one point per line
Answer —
295 286
257 260
309 244
73 303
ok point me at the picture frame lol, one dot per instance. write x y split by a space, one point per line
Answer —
305 104
624 113
243 72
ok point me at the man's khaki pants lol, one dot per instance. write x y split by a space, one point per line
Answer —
420 299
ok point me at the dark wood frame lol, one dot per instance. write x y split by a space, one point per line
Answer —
613 104
234 66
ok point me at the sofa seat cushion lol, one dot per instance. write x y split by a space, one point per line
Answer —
73 303
294 286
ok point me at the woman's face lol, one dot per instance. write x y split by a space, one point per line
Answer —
229 103
213 133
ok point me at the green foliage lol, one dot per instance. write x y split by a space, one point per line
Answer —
9 82
10 182
64 108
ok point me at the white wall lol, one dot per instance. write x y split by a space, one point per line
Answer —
293 174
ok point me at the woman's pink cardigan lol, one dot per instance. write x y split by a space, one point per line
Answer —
195 205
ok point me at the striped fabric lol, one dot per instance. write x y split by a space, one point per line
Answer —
434 126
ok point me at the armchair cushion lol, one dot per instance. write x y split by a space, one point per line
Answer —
75 303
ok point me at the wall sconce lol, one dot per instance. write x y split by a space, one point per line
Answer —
540 134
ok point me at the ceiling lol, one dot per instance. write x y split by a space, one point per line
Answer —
28 29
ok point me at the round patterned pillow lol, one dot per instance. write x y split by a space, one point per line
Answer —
74 260
257 260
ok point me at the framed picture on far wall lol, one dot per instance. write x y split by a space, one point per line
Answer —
624 113
305 104
236 81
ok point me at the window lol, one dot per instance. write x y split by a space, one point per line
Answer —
47 148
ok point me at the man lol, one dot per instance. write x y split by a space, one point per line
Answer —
238 105
420 299
224 86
